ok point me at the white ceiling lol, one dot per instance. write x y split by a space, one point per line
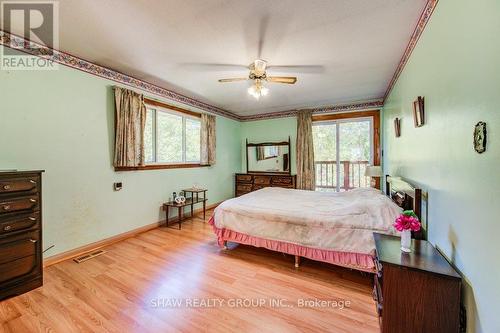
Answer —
358 42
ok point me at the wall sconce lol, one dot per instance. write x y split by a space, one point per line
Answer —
397 127
418 112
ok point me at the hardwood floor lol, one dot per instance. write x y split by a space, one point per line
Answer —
128 289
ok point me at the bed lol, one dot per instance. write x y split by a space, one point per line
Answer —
336 228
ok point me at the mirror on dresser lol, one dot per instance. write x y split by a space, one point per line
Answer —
268 165
268 157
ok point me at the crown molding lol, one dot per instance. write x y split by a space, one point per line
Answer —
27 46
422 22
358 106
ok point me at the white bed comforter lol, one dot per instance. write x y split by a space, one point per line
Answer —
333 221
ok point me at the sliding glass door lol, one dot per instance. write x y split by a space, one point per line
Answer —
342 150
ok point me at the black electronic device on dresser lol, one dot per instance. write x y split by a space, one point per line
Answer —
20 232
417 292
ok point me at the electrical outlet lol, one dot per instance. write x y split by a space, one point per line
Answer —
117 186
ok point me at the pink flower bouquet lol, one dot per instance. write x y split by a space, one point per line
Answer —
407 221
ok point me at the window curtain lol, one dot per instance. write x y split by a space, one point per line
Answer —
207 156
261 154
305 152
130 121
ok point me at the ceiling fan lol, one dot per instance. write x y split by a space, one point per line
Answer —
259 76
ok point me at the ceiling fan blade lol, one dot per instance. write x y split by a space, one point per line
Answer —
233 79
263 24
282 79
213 67
298 68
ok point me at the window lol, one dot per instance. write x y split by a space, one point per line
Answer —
343 148
171 137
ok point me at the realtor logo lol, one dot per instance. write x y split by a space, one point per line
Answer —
34 21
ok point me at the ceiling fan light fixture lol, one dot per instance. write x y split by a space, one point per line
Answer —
253 91
258 75
264 91
260 65
258 90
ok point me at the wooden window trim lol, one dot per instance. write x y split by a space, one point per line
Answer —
152 102
161 166
375 114
346 115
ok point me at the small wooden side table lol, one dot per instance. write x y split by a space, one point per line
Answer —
195 198
180 210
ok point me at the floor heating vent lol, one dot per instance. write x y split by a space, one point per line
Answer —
88 256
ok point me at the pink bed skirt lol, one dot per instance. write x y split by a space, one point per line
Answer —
358 261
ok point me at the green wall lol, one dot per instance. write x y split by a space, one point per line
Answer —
269 130
456 66
62 121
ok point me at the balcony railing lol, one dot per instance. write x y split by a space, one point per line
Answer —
352 175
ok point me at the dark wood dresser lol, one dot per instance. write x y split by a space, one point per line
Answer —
415 292
248 182
20 232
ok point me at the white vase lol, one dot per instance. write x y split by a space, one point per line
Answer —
406 241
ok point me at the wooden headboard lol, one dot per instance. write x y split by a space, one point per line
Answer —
408 197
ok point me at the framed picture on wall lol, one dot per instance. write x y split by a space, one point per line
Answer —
418 112
480 137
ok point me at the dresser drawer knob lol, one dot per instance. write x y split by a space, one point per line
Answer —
6 187
32 181
31 218
6 207
7 228
33 200
33 240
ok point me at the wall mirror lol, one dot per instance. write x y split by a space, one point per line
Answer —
268 157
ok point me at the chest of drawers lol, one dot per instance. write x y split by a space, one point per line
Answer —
248 182
417 291
20 232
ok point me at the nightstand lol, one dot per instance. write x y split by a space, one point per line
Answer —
417 291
